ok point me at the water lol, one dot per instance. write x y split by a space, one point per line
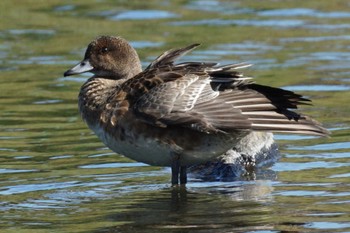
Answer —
56 176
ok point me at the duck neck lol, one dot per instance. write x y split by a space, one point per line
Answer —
94 95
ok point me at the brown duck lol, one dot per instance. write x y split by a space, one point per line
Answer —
182 114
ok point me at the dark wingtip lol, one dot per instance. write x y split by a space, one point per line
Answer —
195 45
191 47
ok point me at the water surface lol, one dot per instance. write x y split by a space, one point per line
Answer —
56 176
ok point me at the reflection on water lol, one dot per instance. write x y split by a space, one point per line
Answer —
187 209
57 176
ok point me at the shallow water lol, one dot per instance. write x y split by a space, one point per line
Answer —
57 177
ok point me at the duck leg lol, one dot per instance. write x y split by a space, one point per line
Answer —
175 170
178 172
183 174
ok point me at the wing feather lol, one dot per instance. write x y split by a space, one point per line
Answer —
211 98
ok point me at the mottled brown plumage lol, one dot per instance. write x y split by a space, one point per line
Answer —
188 113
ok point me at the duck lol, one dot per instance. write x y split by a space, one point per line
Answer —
181 114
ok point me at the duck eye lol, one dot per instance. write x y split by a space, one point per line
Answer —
104 50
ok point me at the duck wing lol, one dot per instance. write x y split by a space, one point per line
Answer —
168 57
173 103
183 95
210 98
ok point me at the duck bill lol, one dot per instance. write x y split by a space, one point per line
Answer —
82 67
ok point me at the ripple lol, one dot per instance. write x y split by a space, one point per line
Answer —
306 166
6 170
143 15
328 26
344 175
303 193
32 31
37 205
219 53
315 38
7 149
247 48
23 157
11 137
338 60
57 200
325 214
329 155
306 184
65 8
318 88
327 225
41 60
53 60
24 188
251 45
113 165
282 23
206 5
75 79
72 195
345 79
60 157
330 56
303 12
292 137
333 66
145 44
216 6
101 155
337 202
325 146
257 23
54 101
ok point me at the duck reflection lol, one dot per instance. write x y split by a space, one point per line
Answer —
202 206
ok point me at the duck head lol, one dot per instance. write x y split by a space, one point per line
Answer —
109 57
